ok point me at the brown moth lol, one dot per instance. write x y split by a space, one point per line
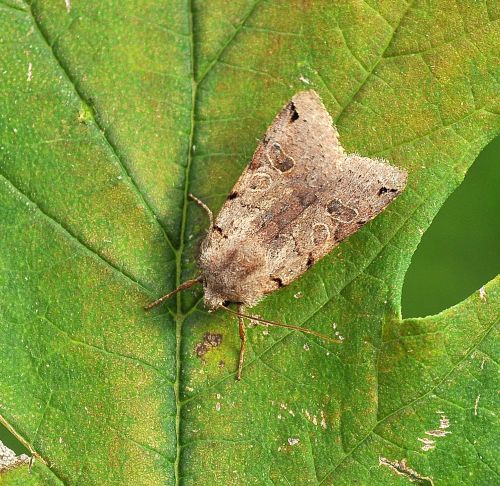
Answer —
299 197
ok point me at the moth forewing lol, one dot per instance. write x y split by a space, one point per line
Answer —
297 199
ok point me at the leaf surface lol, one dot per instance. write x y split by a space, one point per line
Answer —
111 113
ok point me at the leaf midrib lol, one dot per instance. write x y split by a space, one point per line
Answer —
180 318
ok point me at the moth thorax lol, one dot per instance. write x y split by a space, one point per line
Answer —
236 274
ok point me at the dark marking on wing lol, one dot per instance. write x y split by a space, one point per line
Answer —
340 211
310 260
383 190
283 215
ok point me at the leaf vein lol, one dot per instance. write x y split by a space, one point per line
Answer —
99 123
453 368
73 238
375 66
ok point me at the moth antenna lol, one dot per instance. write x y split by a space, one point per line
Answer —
183 286
264 322
205 207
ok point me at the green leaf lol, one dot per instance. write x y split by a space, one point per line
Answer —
111 112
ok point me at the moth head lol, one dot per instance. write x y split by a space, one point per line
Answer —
212 298
233 274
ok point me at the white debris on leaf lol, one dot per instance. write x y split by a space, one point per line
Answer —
438 433
323 419
429 444
476 405
304 79
482 294
298 295
68 5
401 468
444 423
9 460
311 418
293 441
30 72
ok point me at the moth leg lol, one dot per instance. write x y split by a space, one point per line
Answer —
183 286
243 340
205 207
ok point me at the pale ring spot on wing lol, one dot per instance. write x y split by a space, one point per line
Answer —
339 211
278 158
320 234
260 182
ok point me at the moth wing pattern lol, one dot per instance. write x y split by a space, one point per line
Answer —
297 199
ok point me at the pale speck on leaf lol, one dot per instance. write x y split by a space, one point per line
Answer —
482 294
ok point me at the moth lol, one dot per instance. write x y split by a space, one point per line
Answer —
299 197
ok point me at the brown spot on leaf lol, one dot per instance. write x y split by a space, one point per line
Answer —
210 340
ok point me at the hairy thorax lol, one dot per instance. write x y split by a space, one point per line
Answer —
234 273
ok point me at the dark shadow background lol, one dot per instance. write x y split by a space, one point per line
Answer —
460 251
457 255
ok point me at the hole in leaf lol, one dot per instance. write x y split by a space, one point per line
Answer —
11 441
459 252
